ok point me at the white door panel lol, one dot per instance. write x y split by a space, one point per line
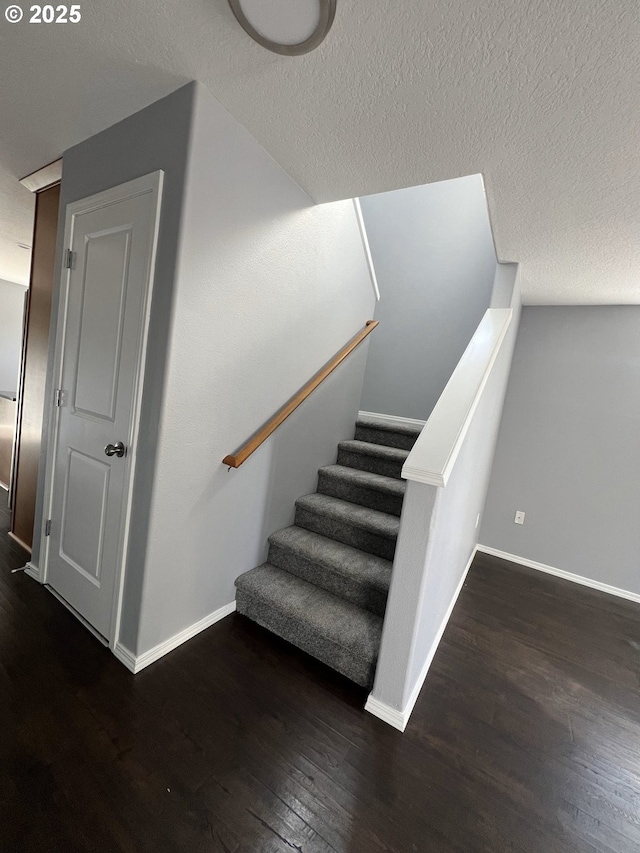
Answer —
101 322
86 492
105 312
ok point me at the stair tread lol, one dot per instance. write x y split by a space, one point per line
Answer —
325 583
389 426
381 523
335 556
314 610
382 451
366 478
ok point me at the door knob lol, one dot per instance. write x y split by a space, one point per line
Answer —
117 449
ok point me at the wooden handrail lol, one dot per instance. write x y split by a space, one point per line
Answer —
280 416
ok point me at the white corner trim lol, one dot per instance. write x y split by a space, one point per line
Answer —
399 719
43 178
137 662
365 246
392 419
125 656
421 475
33 571
561 573
386 713
435 452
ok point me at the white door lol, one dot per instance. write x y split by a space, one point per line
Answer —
101 343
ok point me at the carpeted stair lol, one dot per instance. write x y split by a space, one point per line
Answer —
324 586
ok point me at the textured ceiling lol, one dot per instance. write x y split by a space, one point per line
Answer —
540 96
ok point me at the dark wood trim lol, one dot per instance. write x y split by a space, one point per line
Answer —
19 542
34 365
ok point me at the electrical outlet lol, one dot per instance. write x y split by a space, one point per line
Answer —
519 519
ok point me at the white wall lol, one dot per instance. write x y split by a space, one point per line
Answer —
568 453
11 315
434 259
437 539
269 286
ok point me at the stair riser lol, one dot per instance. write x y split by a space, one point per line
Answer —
362 594
385 437
341 531
374 464
371 498
344 661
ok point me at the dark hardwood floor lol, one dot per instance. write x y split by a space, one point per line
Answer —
526 736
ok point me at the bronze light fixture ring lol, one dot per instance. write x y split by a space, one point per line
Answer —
327 14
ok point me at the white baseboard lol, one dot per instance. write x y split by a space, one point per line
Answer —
386 713
125 656
560 573
399 718
137 662
33 572
392 419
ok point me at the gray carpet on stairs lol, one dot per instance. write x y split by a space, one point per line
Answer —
375 431
325 585
352 574
362 487
364 528
338 633
376 458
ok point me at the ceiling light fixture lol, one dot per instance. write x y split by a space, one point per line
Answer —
289 27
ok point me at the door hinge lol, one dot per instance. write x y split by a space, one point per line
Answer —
68 260
59 397
47 528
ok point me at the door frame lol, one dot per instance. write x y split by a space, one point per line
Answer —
147 184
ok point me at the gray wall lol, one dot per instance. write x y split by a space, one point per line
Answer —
268 287
434 259
154 138
255 289
568 452
438 532
11 313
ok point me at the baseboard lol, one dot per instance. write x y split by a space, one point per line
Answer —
125 656
29 569
19 541
135 663
392 419
33 572
399 719
560 573
386 713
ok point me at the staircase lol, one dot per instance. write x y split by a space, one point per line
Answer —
324 586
